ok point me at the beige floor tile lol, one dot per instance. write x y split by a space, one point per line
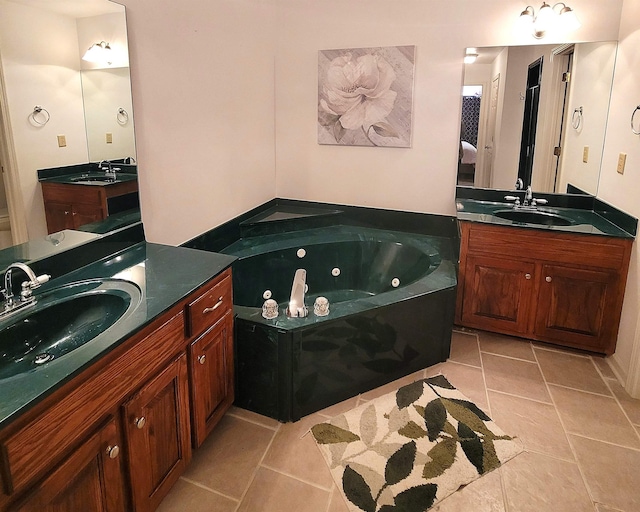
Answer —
464 348
186 496
482 495
337 502
571 370
630 405
519 378
603 366
611 473
227 459
595 416
603 508
538 483
506 346
254 417
468 380
273 492
340 408
535 424
294 451
392 386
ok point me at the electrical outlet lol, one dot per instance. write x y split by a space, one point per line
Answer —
109 138
62 141
622 160
585 154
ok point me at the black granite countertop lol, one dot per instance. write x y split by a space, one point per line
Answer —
164 276
583 221
89 179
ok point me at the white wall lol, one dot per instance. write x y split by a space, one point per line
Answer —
41 67
418 179
590 90
203 88
624 190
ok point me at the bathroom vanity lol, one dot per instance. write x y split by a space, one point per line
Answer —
557 284
115 432
69 205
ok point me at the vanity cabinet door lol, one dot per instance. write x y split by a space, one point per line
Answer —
497 293
59 216
84 214
91 478
158 435
575 306
212 377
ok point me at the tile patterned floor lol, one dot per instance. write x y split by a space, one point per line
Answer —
580 430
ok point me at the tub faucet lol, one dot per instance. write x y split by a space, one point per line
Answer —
296 302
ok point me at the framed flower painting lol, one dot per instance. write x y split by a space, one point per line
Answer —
365 96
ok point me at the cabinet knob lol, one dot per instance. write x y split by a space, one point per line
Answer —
113 451
140 422
548 279
202 359
66 212
527 276
213 308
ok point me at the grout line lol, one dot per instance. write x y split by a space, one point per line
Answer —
294 477
626 447
559 351
462 364
566 435
508 357
520 397
198 484
581 390
255 470
254 422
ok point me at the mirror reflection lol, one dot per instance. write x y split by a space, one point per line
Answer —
536 115
86 116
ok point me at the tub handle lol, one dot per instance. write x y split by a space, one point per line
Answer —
214 307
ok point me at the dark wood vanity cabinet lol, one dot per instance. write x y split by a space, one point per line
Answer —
69 206
557 287
118 436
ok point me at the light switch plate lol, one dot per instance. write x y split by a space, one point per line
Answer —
622 160
62 141
109 138
585 154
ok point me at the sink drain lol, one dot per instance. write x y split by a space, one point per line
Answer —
43 358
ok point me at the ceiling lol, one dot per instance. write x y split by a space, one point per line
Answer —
73 8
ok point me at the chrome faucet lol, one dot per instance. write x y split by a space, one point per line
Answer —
528 196
109 169
298 289
528 201
26 298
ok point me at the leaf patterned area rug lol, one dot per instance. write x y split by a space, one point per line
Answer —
407 450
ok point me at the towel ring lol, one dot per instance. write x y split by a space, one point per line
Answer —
635 132
40 110
122 116
576 120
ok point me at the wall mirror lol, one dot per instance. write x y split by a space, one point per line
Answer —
550 135
89 101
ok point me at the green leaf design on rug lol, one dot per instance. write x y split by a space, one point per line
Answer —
406 395
439 381
435 416
466 416
443 455
471 446
472 407
490 460
414 499
400 464
357 491
325 433
412 430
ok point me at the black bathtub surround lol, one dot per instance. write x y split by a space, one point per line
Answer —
375 332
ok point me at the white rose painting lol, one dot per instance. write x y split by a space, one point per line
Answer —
365 96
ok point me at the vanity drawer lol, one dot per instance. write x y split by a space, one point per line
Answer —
211 306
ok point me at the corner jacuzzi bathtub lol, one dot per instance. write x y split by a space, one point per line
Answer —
392 300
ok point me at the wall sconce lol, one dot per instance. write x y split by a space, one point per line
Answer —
548 18
100 53
470 56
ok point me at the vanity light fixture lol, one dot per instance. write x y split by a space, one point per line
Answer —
470 56
560 16
100 53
